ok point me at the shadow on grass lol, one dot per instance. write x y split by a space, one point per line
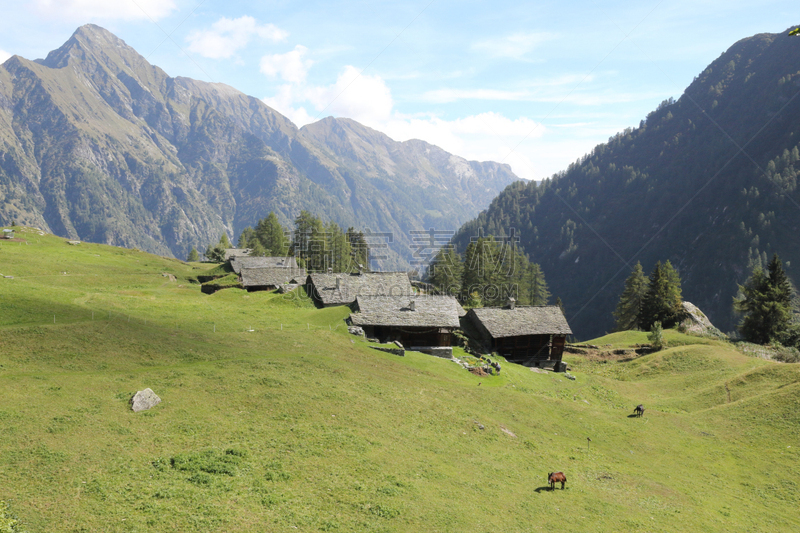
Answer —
546 488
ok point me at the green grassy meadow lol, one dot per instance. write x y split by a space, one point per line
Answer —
274 418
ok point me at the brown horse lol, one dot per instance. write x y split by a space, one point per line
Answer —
556 477
639 411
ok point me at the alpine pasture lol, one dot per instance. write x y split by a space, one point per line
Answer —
274 418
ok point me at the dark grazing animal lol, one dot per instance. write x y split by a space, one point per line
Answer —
639 411
556 477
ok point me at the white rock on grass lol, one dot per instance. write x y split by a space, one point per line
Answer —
144 400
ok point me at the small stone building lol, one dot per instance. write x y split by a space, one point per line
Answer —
418 322
270 278
342 289
230 253
528 335
240 262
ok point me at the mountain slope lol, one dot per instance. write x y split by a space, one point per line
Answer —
296 425
97 144
707 182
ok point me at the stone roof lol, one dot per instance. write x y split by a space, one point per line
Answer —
230 253
238 263
271 276
429 311
360 284
522 320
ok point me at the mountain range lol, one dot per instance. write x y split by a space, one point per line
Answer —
708 182
97 144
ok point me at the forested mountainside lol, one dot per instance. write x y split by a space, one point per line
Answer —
708 182
99 145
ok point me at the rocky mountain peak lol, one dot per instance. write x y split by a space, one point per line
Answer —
102 146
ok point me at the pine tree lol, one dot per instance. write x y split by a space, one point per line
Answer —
538 293
337 252
309 241
217 253
486 271
359 250
258 250
629 309
446 271
271 235
246 238
767 303
275 239
663 299
656 336
193 255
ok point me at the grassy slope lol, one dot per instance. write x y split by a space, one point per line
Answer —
326 434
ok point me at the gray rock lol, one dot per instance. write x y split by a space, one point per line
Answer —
395 351
144 400
696 321
355 330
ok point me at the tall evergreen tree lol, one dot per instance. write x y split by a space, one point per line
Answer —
257 249
193 255
538 293
309 241
274 236
359 250
486 271
629 309
246 238
662 302
447 271
337 248
217 252
767 303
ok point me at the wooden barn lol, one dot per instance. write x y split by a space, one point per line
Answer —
418 322
528 335
342 289
270 278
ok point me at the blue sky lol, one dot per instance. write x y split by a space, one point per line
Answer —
532 84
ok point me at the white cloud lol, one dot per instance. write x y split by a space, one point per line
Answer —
368 100
482 137
3 56
291 66
514 46
363 98
84 10
284 101
227 36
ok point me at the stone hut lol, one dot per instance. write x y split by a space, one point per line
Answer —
230 253
528 335
342 289
419 322
238 263
270 278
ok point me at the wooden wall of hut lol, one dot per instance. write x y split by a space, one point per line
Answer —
414 336
557 346
524 348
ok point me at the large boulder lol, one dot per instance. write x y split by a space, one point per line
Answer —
144 400
696 321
